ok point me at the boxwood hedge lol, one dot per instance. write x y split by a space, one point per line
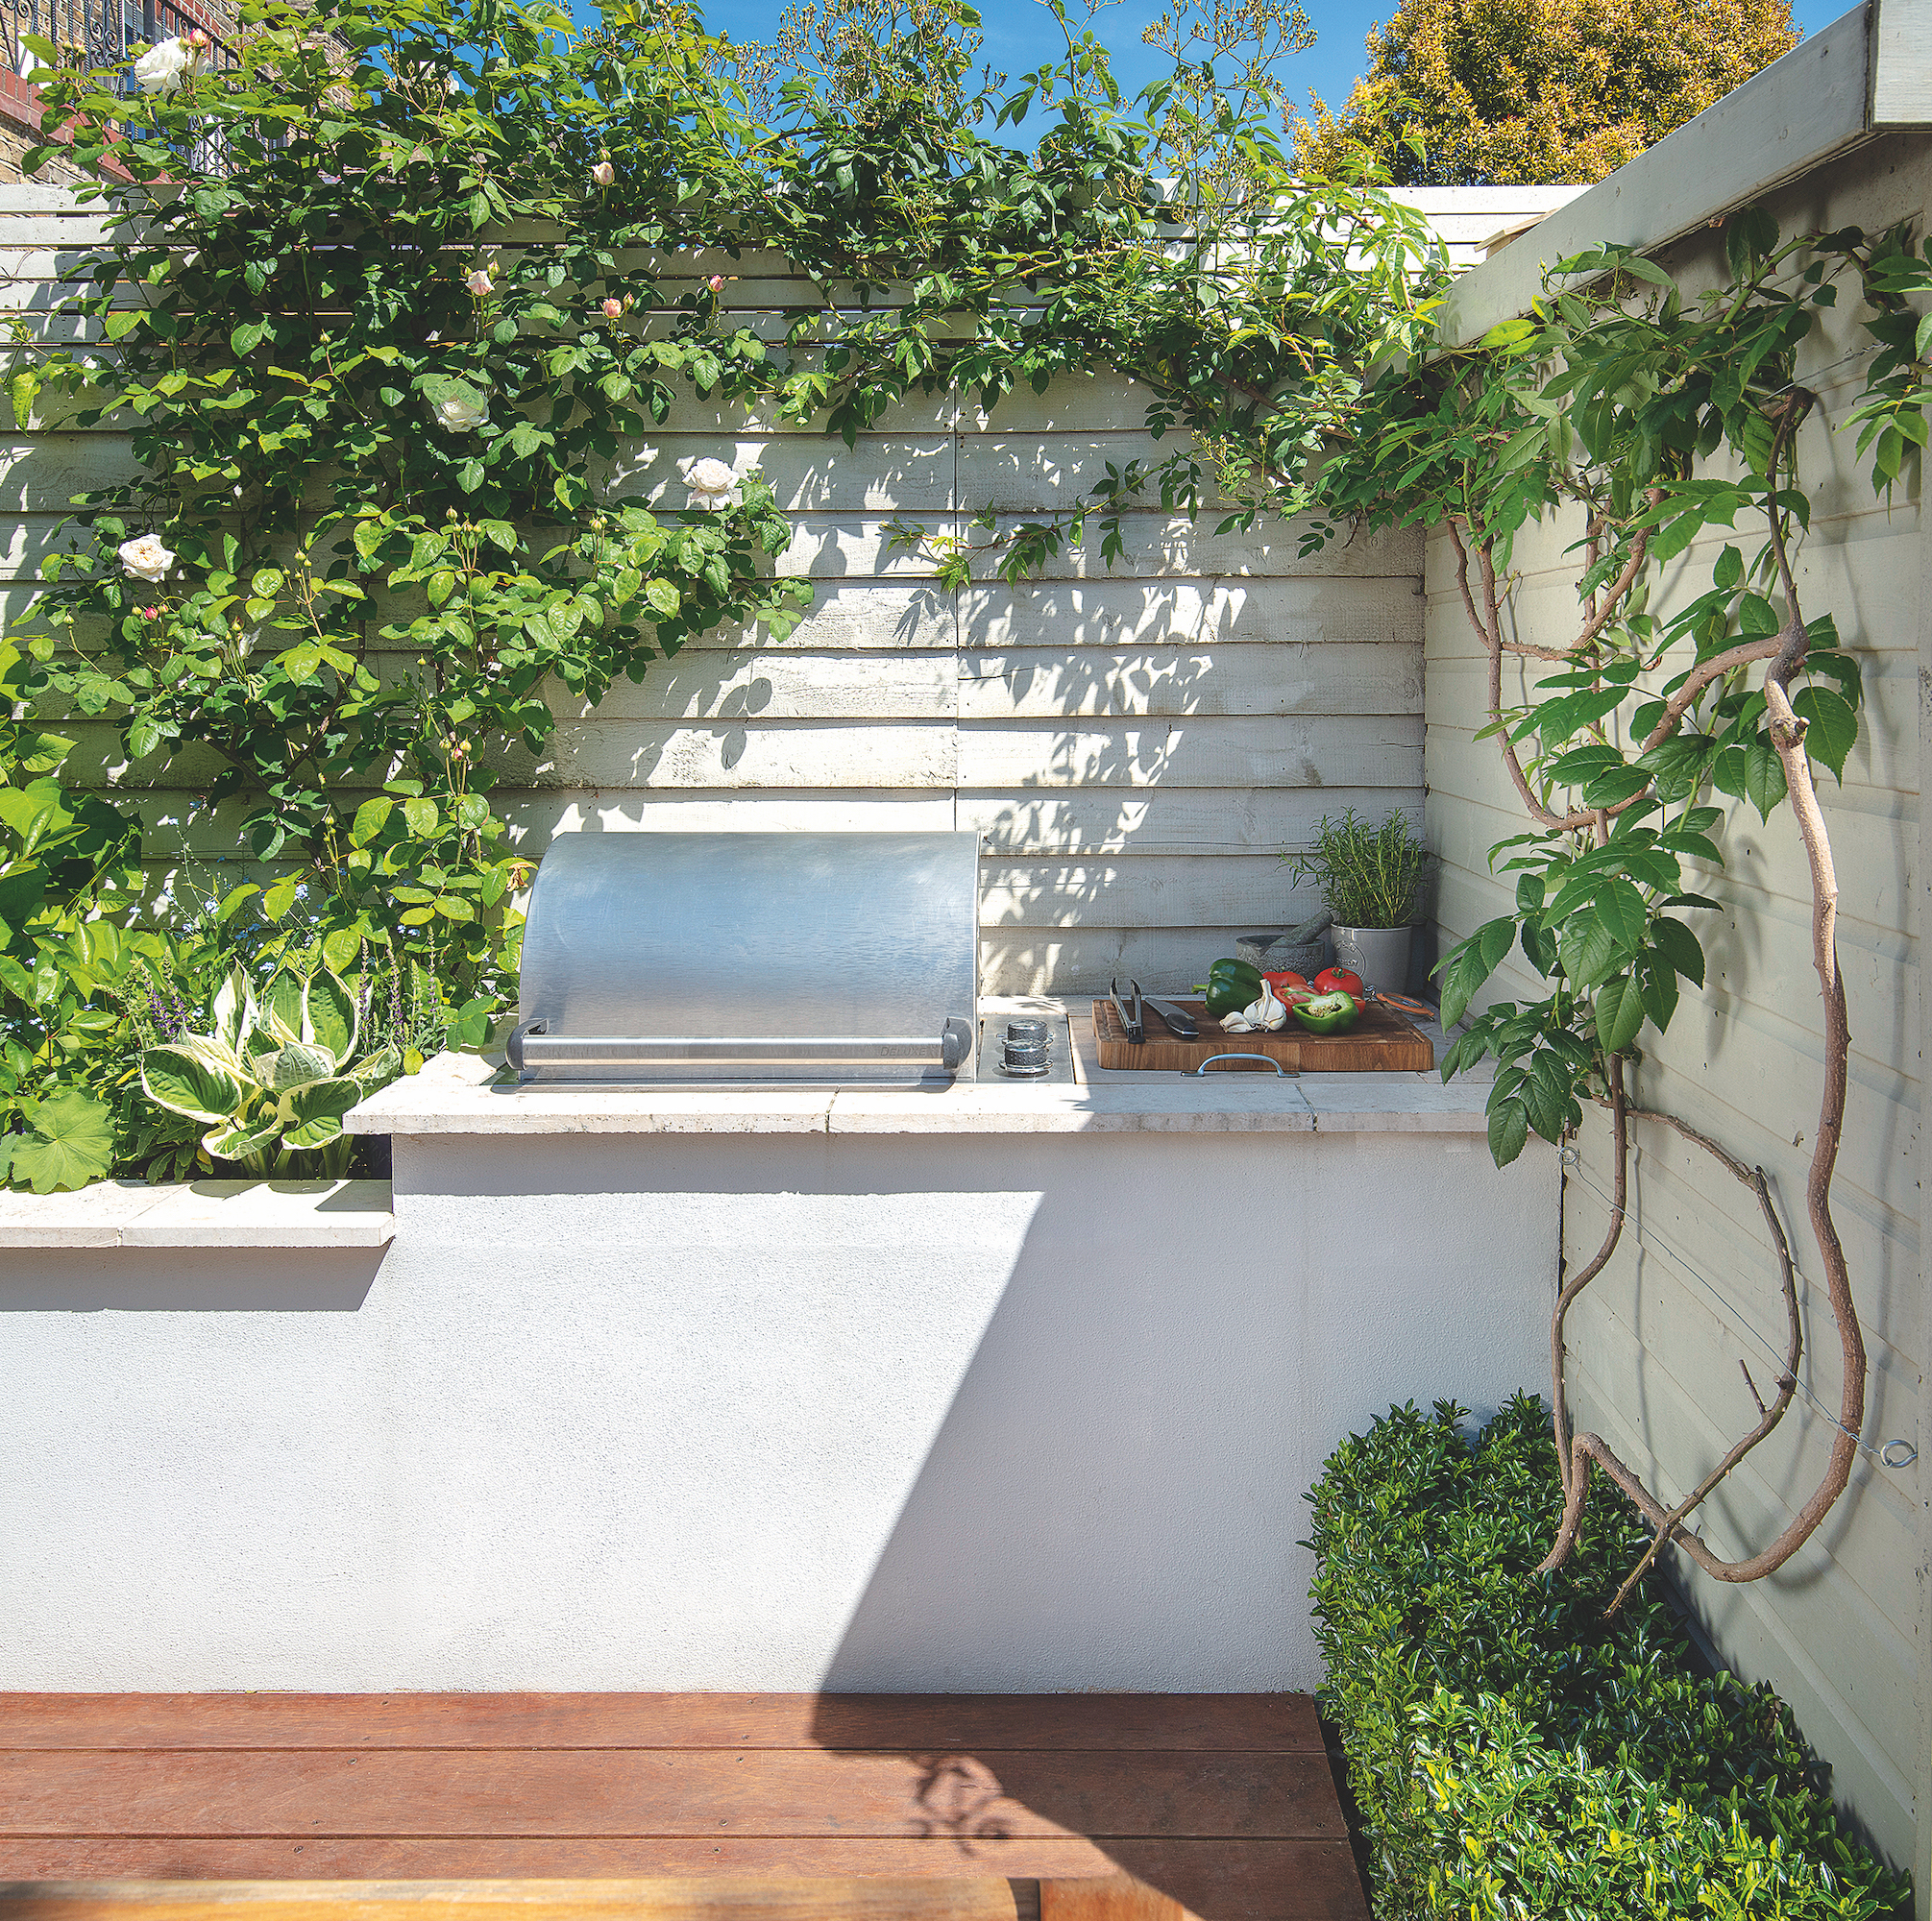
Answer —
1513 1753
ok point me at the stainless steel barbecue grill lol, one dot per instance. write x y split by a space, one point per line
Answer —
752 957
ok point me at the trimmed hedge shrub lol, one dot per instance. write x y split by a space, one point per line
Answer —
1515 1754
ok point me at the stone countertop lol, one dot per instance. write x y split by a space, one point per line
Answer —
463 1094
263 1214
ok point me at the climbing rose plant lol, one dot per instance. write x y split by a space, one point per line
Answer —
397 297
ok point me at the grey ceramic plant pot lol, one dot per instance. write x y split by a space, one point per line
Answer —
1379 954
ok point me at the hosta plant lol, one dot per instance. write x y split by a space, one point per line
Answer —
278 1074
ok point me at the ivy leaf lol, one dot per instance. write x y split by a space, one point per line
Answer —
70 1143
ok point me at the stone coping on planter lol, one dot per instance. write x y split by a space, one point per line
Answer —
241 1214
464 1094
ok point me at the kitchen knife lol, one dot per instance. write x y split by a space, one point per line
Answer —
1182 1024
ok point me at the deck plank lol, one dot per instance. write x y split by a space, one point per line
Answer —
1108 1808
1093 1722
1218 1881
705 1898
563 1791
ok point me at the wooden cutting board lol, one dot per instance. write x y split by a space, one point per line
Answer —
1380 1041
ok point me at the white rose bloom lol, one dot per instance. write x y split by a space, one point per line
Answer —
161 68
145 558
478 282
460 415
711 482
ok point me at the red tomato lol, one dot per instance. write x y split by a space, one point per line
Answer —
1340 981
1283 981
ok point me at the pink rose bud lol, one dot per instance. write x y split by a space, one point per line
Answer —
717 283
603 173
613 309
151 612
194 38
478 282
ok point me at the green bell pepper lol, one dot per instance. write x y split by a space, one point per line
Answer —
1327 1013
1232 986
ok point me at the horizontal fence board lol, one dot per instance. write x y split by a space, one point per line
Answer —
1174 820
602 752
781 685
1080 962
1104 613
1040 683
1295 752
1143 890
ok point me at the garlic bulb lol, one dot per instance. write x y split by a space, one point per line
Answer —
1267 1015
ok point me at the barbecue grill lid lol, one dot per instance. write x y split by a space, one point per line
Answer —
760 957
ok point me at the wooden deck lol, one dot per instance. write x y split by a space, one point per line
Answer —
1221 1804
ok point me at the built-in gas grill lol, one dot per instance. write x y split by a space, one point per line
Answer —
752 957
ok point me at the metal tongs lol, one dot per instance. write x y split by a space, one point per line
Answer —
1135 1023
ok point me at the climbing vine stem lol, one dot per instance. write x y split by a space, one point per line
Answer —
1663 424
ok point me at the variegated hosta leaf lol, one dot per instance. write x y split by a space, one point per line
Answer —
235 1013
176 1079
281 1000
285 1031
235 1143
379 1070
300 1066
216 1052
328 1017
316 1111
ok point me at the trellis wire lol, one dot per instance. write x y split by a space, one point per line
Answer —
1736 1320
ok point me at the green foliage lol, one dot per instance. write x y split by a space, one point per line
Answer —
272 1076
1470 92
1658 421
1511 1750
393 308
1369 876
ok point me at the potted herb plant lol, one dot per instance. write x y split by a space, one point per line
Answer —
1370 881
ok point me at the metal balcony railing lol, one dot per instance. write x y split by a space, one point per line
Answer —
107 32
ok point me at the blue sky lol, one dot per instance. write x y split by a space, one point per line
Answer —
1020 33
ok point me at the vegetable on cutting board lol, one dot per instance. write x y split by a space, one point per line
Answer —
1329 1013
1266 1016
1289 987
1340 981
1230 986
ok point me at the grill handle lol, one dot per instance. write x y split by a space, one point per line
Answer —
532 1046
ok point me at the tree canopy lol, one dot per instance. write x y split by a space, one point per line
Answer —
1468 93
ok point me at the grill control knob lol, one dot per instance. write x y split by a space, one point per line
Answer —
1024 1054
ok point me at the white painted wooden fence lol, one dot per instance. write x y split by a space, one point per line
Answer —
1138 746
1656 1340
